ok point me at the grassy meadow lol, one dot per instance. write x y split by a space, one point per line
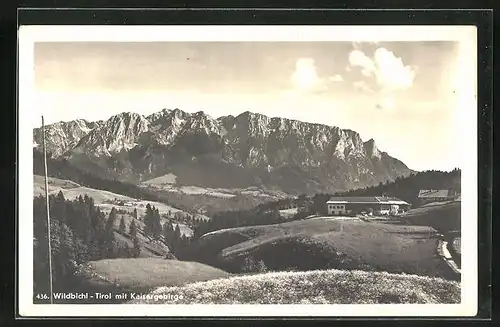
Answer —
312 287
140 274
326 242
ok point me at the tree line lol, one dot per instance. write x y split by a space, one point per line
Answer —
166 233
80 232
407 188
404 188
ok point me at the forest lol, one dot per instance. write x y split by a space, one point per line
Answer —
81 232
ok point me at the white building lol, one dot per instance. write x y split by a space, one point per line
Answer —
369 204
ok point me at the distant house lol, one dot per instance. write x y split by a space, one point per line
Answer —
370 204
427 196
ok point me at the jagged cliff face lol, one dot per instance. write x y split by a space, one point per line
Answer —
228 152
119 133
63 136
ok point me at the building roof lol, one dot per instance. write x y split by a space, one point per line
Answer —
436 194
366 199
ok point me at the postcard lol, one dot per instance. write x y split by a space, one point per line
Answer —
211 171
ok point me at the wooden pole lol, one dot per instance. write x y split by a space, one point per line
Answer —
48 212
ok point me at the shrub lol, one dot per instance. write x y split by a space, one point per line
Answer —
251 265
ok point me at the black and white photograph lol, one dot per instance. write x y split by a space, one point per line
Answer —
247 170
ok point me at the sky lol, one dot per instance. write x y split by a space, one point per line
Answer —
401 94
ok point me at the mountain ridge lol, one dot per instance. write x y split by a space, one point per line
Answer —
239 151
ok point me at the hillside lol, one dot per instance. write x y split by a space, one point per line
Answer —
443 216
105 199
294 208
125 207
311 287
138 275
324 242
62 169
196 150
202 201
144 274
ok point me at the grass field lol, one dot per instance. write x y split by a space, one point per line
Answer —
443 216
104 199
312 287
55 185
72 190
143 274
322 243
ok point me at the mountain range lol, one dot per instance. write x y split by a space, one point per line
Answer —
230 152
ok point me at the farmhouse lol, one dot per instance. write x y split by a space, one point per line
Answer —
370 204
427 196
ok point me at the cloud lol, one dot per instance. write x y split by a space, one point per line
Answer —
392 73
389 71
357 58
305 75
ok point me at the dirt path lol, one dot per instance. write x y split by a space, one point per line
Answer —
444 253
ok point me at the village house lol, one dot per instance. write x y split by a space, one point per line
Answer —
378 205
427 196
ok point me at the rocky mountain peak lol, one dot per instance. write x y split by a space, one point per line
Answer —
371 149
61 137
119 133
279 151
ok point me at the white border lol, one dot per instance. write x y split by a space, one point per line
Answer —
467 105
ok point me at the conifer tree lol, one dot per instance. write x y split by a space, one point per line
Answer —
108 241
176 239
148 219
122 228
132 231
136 251
168 231
130 251
177 232
110 223
156 224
